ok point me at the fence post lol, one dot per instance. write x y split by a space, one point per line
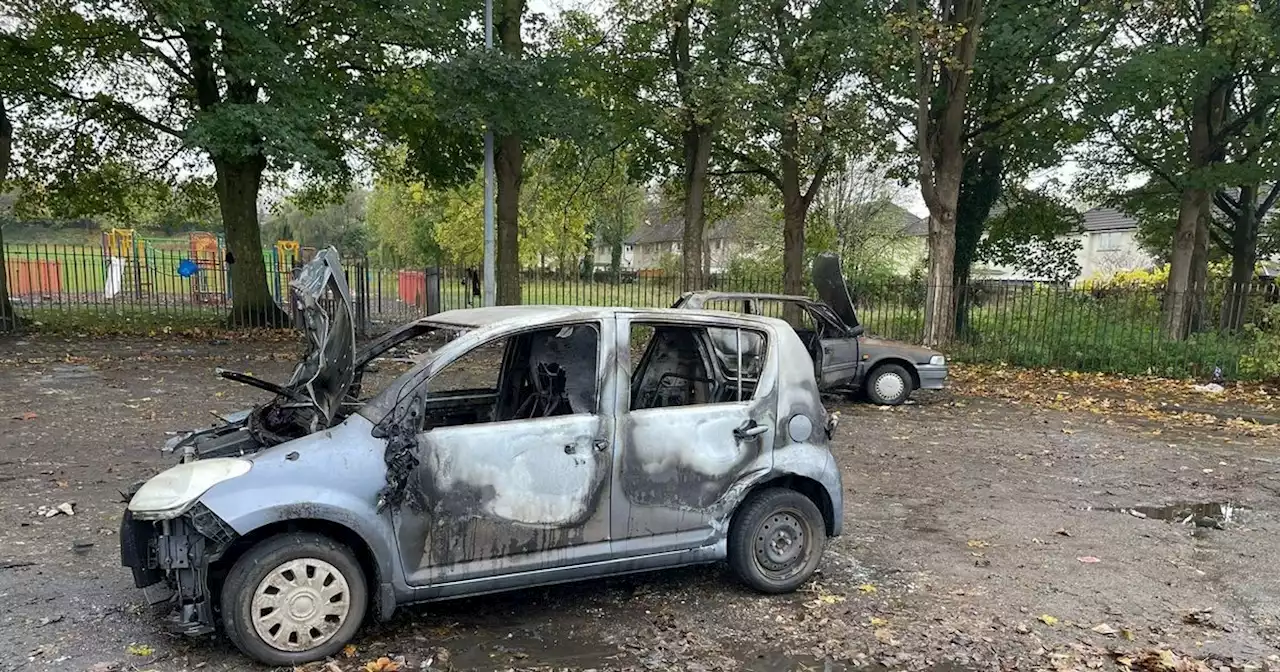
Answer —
431 278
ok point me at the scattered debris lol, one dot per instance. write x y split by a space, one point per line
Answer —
1088 560
1062 531
140 650
1209 388
65 508
1104 629
1047 619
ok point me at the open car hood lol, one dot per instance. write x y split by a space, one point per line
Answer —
325 373
828 280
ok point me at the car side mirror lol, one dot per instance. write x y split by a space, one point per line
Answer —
857 331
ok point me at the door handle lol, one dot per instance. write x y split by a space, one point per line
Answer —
600 445
748 430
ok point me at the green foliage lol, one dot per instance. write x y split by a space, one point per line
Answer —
340 224
1261 359
1035 234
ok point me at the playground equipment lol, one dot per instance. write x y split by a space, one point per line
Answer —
206 253
126 263
288 256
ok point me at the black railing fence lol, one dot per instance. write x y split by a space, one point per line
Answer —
1083 326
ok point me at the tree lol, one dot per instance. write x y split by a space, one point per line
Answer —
986 85
1035 234
801 112
1186 99
8 319
680 61
249 85
856 203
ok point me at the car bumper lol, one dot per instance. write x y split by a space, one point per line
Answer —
932 376
170 561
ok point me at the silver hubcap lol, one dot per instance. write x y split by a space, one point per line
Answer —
300 604
889 386
780 544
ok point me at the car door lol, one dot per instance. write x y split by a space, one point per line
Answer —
514 468
694 424
840 358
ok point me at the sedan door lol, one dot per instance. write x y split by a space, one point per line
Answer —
514 463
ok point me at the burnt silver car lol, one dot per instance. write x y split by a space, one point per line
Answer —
844 358
530 445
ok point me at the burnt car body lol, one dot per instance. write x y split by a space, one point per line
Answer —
533 445
844 357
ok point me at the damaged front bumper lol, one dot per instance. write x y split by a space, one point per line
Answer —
171 561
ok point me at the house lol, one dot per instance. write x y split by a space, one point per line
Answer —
659 238
1108 241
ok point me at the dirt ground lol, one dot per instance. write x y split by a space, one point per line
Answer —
982 531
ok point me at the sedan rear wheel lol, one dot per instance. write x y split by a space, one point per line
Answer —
294 598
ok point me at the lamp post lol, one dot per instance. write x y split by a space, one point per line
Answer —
490 279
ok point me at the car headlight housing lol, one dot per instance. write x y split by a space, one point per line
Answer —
171 492
937 360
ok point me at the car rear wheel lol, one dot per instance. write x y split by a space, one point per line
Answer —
889 385
776 540
294 598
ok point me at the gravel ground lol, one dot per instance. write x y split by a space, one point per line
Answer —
981 533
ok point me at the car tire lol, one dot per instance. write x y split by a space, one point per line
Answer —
326 600
766 519
888 385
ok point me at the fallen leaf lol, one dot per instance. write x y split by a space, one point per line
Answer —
978 543
1047 619
877 622
1062 531
349 650
383 664
66 507
28 415
886 637
1127 634
1104 629
867 588
140 650
332 666
1088 560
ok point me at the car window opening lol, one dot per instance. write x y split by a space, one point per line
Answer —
537 374
689 366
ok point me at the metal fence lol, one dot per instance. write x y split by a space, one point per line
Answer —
1084 326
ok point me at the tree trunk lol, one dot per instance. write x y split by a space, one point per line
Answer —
8 318
237 187
509 169
1244 258
697 159
794 212
1199 282
939 303
980 186
615 261
1177 290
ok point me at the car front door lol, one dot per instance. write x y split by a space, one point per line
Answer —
695 423
514 459
839 353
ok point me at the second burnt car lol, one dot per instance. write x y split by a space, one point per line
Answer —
530 445
844 357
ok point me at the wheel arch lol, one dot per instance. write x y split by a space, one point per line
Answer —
336 531
810 488
906 364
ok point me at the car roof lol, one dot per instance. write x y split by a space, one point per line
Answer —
711 296
532 315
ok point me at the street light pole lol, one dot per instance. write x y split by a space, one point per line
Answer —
490 279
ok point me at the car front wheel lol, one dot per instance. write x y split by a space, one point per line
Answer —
889 385
294 598
776 540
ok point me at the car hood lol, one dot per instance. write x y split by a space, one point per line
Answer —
828 280
911 353
326 371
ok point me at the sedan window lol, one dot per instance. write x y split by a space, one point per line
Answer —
688 366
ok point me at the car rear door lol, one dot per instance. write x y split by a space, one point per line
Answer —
698 414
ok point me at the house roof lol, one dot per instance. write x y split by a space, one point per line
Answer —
659 228
1108 219
914 226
